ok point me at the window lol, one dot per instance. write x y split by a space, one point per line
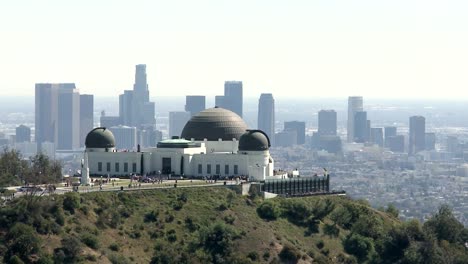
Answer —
117 167
108 166
236 169
125 166
200 169
208 168
218 169
226 169
134 167
99 166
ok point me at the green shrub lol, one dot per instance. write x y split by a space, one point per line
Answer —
151 216
118 259
289 254
268 210
331 230
71 246
114 247
253 256
90 240
23 241
71 201
359 246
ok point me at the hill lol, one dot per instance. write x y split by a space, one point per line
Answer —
215 225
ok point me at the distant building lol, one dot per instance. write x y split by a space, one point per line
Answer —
195 104
396 143
23 134
360 127
377 136
27 149
109 121
298 127
390 131
125 137
430 141
86 116
266 115
331 144
177 121
417 134
453 144
327 122
354 105
233 96
286 138
219 101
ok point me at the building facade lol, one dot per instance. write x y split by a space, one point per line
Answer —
266 115
417 134
299 128
355 104
195 104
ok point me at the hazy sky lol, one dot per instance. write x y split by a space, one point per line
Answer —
314 48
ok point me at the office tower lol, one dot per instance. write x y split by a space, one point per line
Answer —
219 101
233 99
266 115
195 104
149 137
327 122
57 115
354 105
331 144
86 116
125 137
377 136
23 134
396 143
286 138
453 145
27 149
299 128
177 121
390 131
135 109
430 141
109 121
417 132
360 127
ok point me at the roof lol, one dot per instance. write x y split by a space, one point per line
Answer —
254 140
213 124
100 137
177 143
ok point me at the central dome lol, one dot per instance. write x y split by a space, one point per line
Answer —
213 124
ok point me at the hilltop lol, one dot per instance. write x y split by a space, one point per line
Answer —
216 225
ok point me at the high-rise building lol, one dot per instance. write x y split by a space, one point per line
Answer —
195 104
354 105
390 131
177 121
125 137
23 134
86 116
233 98
360 127
286 138
430 141
417 133
377 136
219 101
266 115
327 122
135 109
57 115
299 128
109 121
396 143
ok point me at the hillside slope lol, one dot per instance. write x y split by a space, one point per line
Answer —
215 225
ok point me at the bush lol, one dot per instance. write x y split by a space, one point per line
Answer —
320 244
253 256
359 246
114 247
331 230
171 236
218 239
151 216
71 246
229 219
118 259
23 241
268 210
90 240
392 210
71 201
289 254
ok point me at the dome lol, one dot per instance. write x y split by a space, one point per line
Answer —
213 124
254 140
100 137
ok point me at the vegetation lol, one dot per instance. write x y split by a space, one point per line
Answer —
187 226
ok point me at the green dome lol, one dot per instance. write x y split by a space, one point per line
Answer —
213 124
100 137
254 140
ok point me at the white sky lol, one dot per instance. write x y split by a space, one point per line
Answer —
374 48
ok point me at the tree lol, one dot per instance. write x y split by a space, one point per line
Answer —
268 210
360 246
218 239
12 167
445 226
23 241
71 201
392 210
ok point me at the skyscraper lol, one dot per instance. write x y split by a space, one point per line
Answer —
266 115
360 127
23 134
417 133
390 131
233 98
430 141
57 115
135 109
377 136
125 137
195 104
177 121
299 128
86 116
354 105
327 122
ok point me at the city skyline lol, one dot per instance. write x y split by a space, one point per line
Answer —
317 49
